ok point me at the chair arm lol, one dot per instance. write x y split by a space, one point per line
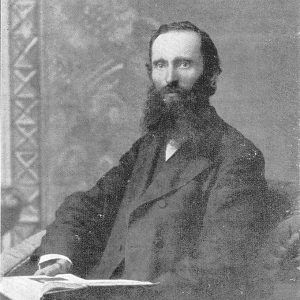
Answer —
14 257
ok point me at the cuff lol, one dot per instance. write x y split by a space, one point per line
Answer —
47 257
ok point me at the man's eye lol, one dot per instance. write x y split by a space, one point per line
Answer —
159 65
185 64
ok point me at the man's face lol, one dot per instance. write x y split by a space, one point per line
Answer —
176 63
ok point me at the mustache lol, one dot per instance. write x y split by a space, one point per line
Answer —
171 89
167 90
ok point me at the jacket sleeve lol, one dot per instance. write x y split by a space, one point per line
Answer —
84 220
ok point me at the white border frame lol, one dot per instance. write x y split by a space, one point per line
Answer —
6 179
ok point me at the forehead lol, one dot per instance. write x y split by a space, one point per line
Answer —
174 44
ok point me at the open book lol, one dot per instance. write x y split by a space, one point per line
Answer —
34 287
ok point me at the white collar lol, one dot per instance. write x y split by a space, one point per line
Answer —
172 147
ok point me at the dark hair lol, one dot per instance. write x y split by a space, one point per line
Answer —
211 61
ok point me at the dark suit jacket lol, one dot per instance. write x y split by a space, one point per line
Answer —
195 227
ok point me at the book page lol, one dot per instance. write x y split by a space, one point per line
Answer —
20 288
105 282
117 282
33 287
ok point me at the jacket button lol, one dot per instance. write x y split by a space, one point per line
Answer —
162 203
159 243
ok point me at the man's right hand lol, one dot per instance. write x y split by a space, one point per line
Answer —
54 267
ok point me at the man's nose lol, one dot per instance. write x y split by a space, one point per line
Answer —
171 75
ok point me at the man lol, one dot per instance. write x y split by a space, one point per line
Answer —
185 204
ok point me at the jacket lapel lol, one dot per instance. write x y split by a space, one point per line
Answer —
176 172
143 168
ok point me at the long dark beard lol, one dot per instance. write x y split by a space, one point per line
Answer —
184 114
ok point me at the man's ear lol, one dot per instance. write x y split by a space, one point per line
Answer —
149 69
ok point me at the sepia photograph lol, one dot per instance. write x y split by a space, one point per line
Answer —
149 149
